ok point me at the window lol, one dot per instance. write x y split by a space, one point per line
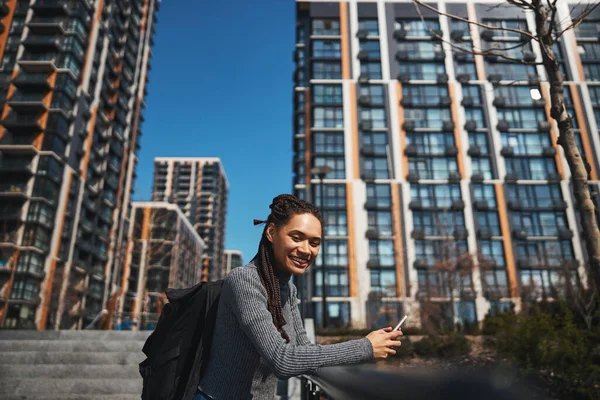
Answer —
480 140
326 27
473 92
435 196
467 69
326 49
437 284
547 253
381 252
476 114
492 253
328 117
334 196
424 94
25 289
338 314
371 26
376 94
381 221
587 29
519 118
539 223
515 95
483 167
456 25
336 222
432 251
376 116
537 196
337 165
31 262
371 68
335 252
519 24
422 71
329 143
543 282
371 47
485 193
421 50
432 168
41 212
432 118
529 168
589 51
328 94
378 166
510 71
378 142
415 27
336 282
384 282
444 223
430 143
327 70
522 144
489 221
379 194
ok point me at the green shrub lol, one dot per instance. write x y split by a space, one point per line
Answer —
442 346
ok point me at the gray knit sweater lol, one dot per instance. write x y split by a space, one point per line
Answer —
248 353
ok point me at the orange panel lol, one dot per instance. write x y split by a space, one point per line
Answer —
457 131
583 132
402 132
508 250
88 53
352 274
8 285
50 278
354 127
553 132
89 140
398 246
345 40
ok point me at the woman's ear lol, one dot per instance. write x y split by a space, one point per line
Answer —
270 232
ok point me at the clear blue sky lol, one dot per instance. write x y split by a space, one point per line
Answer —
221 86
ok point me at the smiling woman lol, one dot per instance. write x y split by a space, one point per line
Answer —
258 334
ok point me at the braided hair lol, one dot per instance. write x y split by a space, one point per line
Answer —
283 208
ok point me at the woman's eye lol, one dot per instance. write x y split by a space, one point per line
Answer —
315 244
296 238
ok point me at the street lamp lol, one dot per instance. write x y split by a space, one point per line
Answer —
321 172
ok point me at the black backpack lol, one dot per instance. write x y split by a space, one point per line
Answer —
178 350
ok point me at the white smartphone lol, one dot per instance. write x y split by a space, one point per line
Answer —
400 323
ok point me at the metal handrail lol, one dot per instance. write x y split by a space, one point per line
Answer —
367 382
96 319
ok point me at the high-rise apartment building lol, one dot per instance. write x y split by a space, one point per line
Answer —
441 160
233 259
198 185
164 251
73 76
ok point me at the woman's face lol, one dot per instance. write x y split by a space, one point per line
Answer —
295 244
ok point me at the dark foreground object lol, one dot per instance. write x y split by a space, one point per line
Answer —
366 382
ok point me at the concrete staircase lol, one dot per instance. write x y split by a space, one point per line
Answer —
82 365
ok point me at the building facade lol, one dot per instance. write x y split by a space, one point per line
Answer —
447 188
198 185
73 79
164 251
233 259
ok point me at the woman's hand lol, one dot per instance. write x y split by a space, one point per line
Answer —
384 341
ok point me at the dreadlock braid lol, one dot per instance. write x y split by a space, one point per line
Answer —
282 208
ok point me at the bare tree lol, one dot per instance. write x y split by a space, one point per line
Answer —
548 31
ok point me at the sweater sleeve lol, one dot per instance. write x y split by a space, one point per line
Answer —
248 301
301 336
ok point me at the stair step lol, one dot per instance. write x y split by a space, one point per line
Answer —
70 371
90 358
71 345
45 386
11 334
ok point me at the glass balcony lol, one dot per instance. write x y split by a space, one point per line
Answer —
50 8
28 102
47 25
16 122
32 80
16 166
43 43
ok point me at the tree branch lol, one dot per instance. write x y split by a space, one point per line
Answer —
468 21
577 20
490 52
